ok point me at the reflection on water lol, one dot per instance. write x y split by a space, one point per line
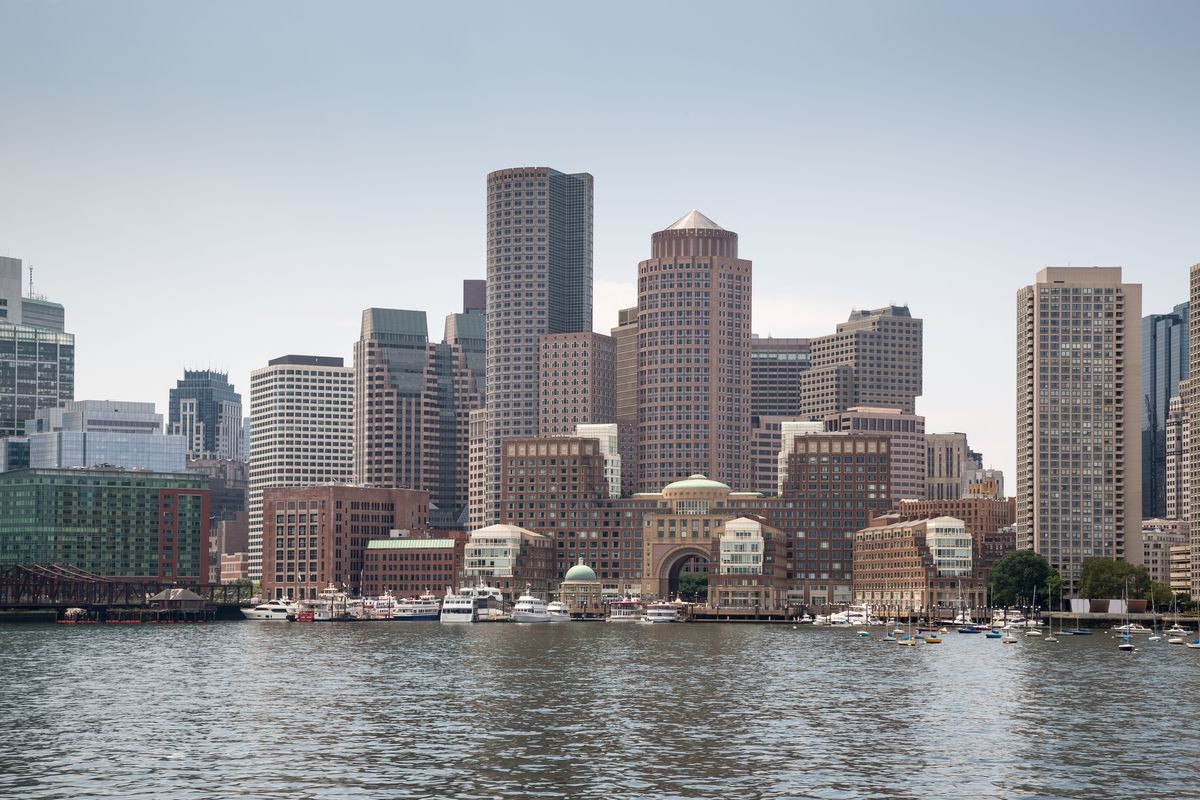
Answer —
420 710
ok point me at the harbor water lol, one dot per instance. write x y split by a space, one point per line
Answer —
589 710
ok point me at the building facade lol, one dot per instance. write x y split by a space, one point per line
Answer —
1159 536
130 525
1078 404
539 281
988 520
625 377
916 566
206 411
314 536
948 463
776 367
578 382
301 412
510 559
1164 365
694 307
908 450
410 566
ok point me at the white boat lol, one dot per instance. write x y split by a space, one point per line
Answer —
425 608
529 608
625 610
379 608
478 603
278 610
334 605
1131 627
1176 630
660 612
558 611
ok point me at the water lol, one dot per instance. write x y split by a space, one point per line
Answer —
421 710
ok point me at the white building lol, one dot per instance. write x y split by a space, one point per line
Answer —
950 545
507 557
790 429
608 435
301 431
741 546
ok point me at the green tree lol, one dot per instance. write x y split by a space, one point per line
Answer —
693 587
1022 576
1106 577
1160 595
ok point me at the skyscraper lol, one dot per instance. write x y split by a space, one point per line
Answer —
625 343
1079 398
577 382
1164 365
37 359
301 432
207 412
539 281
694 300
776 367
907 434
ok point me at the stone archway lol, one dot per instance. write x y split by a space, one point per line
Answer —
673 563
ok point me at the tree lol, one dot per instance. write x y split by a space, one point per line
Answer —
1160 595
1022 576
693 587
1106 577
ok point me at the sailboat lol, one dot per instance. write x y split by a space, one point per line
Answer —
1052 637
1126 639
907 639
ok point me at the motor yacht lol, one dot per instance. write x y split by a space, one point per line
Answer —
281 610
478 603
660 612
425 608
624 610
558 611
529 608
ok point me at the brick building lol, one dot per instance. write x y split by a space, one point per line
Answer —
412 566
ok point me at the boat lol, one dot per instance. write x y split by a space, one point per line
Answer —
933 638
478 603
334 605
529 608
1009 637
993 634
558 611
1127 629
278 610
1176 630
425 608
624 610
660 612
1131 628
382 607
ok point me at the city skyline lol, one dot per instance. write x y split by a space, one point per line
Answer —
934 170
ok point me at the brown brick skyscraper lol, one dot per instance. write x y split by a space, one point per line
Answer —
693 356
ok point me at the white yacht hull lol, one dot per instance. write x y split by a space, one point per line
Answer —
266 616
530 616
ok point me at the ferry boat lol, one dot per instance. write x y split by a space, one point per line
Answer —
625 610
382 607
278 610
425 608
660 612
558 611
529 608
479 603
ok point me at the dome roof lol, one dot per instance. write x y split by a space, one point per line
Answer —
580 572
696 481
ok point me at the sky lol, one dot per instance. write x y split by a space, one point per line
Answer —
212 185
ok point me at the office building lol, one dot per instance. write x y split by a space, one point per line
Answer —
694 304
1176 461
776 367
124 524
873 359
1159 536
916 566
788 431
1164 365
625 347
949 464
1079 401
207 411
510 559
577 382
539 281
608 437
411 566
988 520
908 453
302 434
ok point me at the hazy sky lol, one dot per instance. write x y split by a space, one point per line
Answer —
216 184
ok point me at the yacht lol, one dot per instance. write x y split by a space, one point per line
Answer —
660 612
478 603
529 608
1131 627
558 611
425 608
379 608
625 610
334 605
280 610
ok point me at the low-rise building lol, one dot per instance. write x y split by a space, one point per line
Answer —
508 558
234 567
580 589
411 566
916 565
1158 537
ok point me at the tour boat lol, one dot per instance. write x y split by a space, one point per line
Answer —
278 610
558 611
425 608
529 608
382 607
626 610
479 603
660 612
334 605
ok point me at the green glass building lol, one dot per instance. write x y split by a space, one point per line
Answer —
128 524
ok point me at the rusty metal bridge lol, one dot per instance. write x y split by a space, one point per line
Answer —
61 586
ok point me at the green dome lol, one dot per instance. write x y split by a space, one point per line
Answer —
696 481
580 572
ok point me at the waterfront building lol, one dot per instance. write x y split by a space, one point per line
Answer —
229 519
86 433
410 566
578 384
581 590
314 536
1180 556
508 557
301 411
539 281
908 453
412 401
747 571
776 367
625 375
916 565
1164 365
988 520
124 524
1158 537
873 359
608 437
949 461
1078 403
206 411
694 306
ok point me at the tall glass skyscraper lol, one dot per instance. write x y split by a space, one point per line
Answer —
539 281
1164 365
207 412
